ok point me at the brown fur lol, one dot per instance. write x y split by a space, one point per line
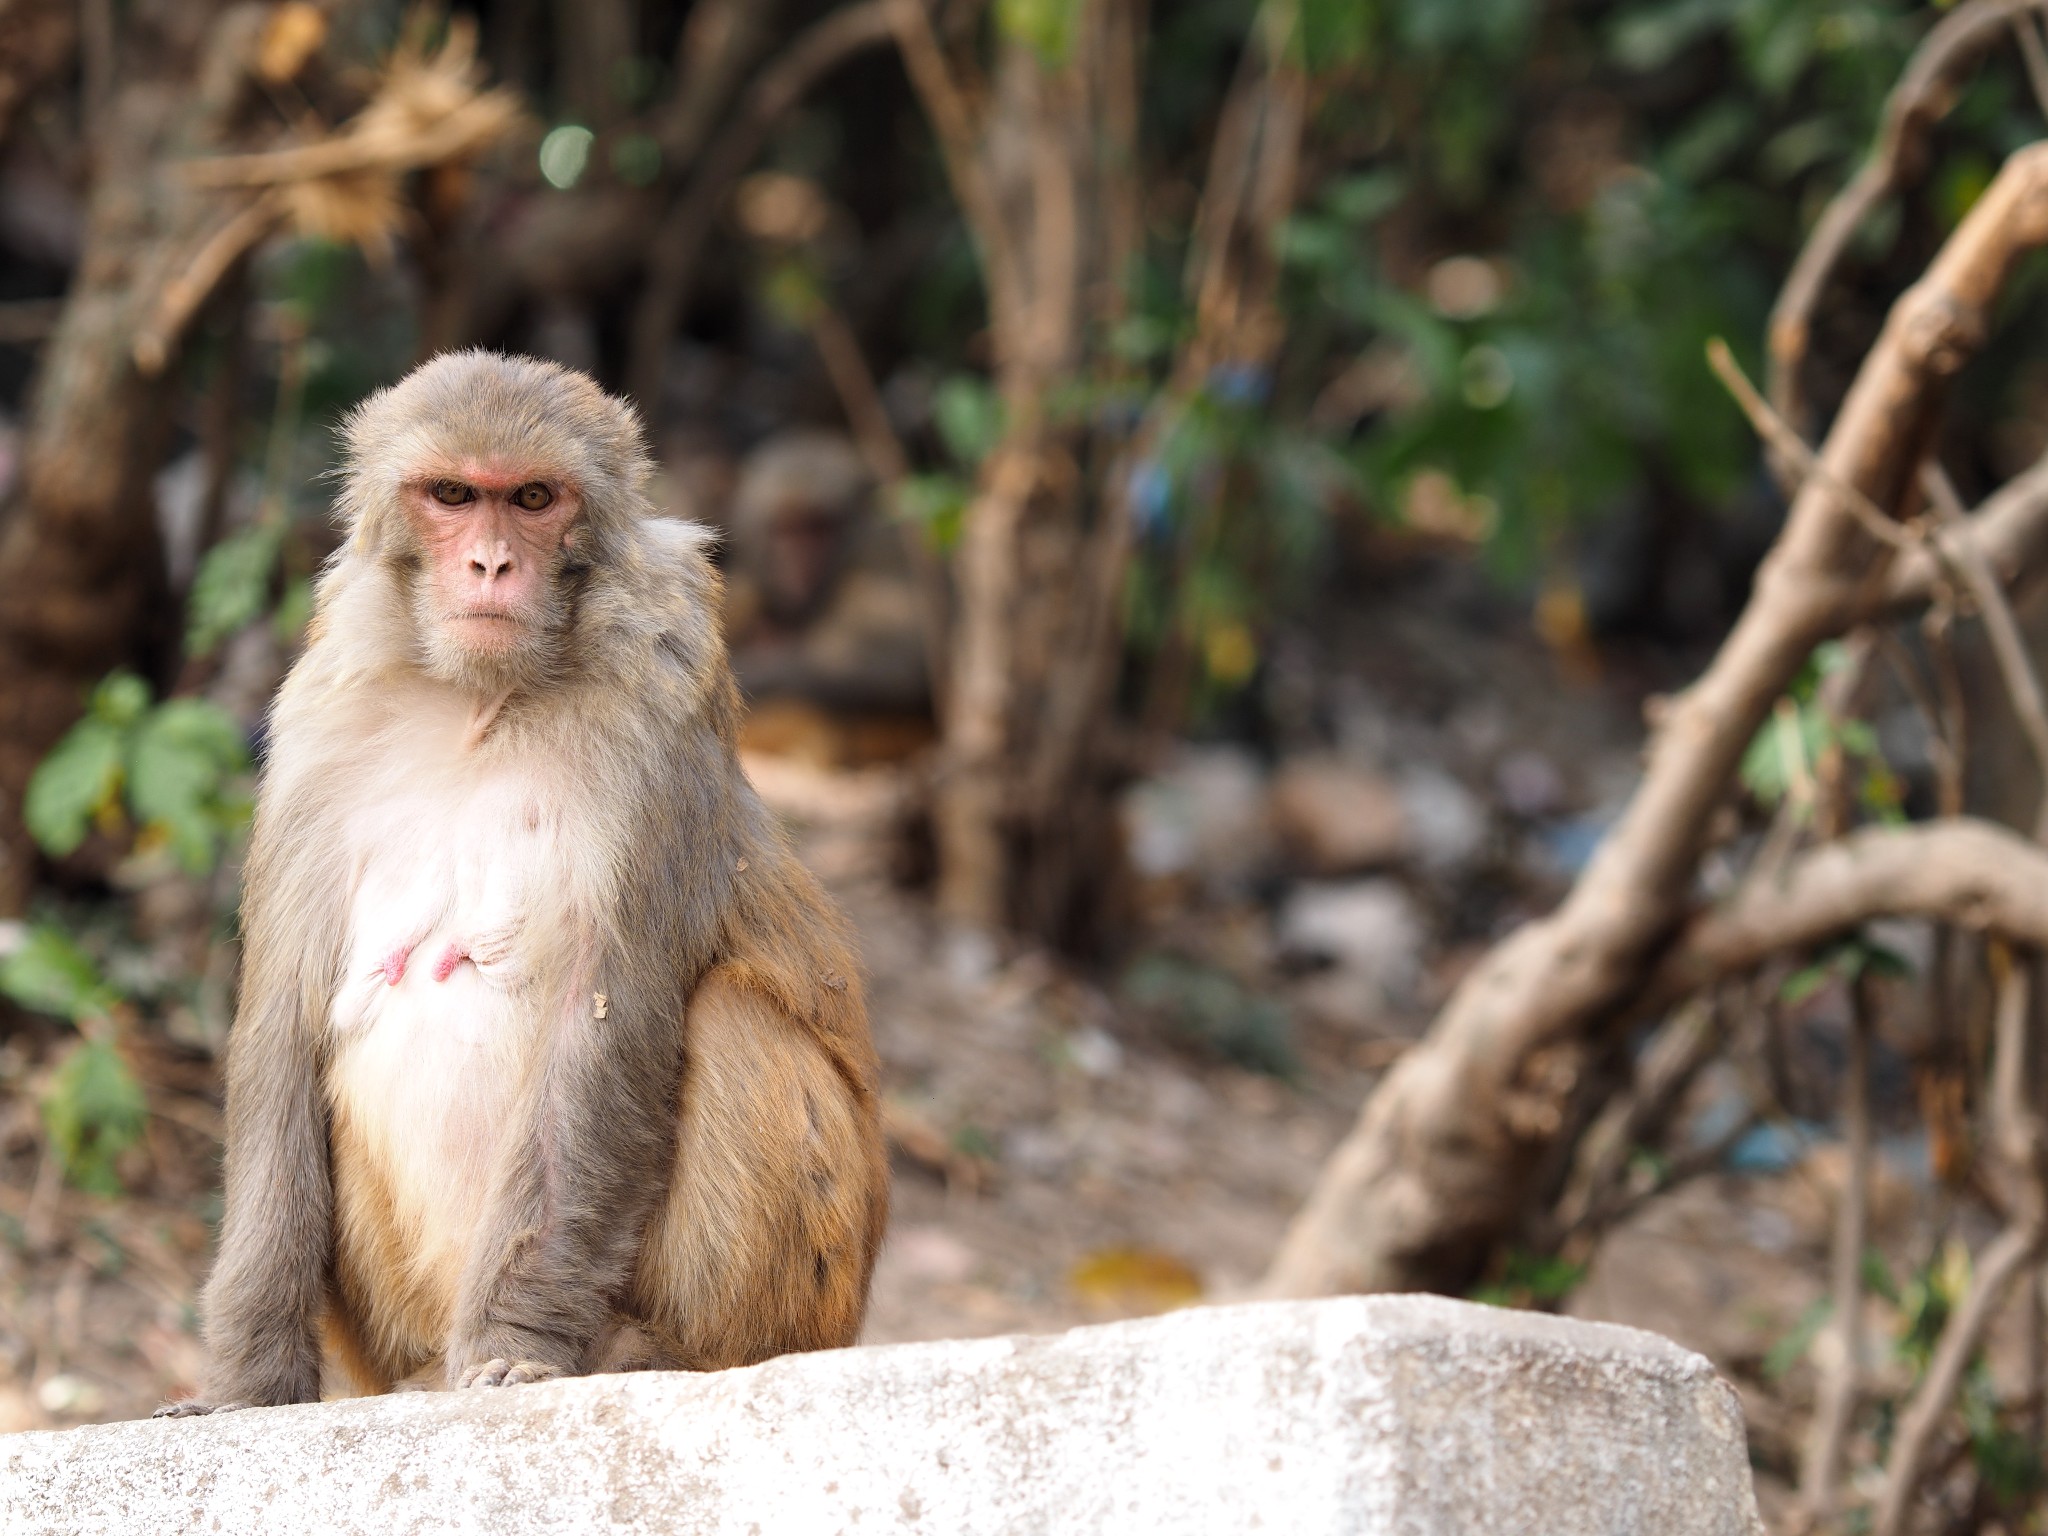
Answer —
688 1173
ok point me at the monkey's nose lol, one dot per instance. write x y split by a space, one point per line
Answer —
490 567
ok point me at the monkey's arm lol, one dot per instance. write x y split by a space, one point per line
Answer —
262 1306
585 1164
589 1154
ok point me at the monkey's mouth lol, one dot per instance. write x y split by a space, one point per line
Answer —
488 629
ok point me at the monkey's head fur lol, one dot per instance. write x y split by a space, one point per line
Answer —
492 486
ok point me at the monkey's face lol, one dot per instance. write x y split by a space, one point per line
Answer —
493 539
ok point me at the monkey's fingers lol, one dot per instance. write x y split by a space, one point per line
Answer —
508 1373
192 1408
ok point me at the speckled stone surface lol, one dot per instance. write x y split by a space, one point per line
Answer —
1401 1415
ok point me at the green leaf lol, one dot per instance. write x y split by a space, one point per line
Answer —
1531 1280
1335 33
179 769
1045 26
232 586
50 974
937 504
1358 200
1792 1348
1803 983
79 779
969 416
793 293
94 1111
120 699
1650 38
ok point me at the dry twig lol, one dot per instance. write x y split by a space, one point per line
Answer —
1837 1408
1973 873
2008 646
428 110
678 243
1922 97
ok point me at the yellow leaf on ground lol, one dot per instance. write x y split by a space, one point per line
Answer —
1134 1280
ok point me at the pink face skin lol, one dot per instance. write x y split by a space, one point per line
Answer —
491 534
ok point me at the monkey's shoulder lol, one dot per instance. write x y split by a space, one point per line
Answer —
655 613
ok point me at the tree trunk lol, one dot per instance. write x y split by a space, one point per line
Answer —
81 570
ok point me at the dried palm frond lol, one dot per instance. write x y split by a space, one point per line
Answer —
429 111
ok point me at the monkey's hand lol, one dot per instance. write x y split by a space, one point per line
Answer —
507 1373
192 1408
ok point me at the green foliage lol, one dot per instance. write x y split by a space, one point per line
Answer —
1571 384
793 292
1044 26
94 1108
1800 737
232 585
1849 960
175 768
1927 1300
294 610
183 760
78 783
1530 1280
969 417
48 973
94 1111
937 505
1213 1010
1792 1348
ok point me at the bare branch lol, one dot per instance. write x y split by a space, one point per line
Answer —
1670 1065
887 461
1837 1406
945 103
1962 870
2027 28
2011 1252
2015 666
1789 445
679 243
1433 1171
2009 530
184 294
1921 99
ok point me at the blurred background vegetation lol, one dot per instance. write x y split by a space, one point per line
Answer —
1350 353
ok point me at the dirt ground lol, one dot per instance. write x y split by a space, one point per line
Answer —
1056 1164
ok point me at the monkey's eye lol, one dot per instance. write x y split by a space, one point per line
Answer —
452 493
533 497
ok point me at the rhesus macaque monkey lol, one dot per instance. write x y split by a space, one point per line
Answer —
550 1057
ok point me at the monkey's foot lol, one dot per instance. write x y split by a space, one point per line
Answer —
192 1408
507 1373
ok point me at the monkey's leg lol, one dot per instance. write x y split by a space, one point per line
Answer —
768 1234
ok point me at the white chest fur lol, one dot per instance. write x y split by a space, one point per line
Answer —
460 944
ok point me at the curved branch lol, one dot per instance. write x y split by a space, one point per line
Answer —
679 243
2008 532
1975 874
1921 99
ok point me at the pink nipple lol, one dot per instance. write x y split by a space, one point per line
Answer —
451 957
